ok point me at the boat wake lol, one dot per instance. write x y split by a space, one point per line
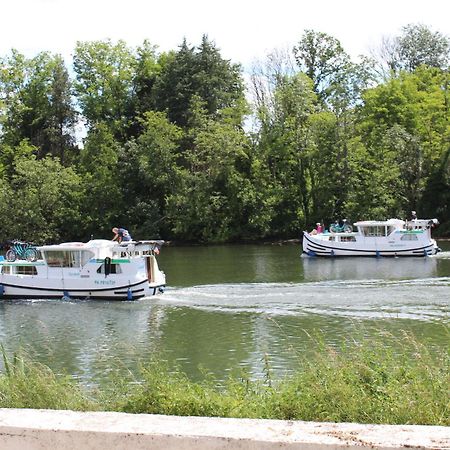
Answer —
419 299
442 255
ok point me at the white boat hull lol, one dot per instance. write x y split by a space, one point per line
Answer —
314 246
27 289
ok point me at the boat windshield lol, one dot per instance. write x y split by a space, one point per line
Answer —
377 230
67 258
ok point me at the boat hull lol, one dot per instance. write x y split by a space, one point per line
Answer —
12 288
320 246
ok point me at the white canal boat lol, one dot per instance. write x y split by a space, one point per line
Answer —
98 269
392 237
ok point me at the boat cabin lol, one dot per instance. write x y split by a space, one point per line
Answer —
78 254
374 228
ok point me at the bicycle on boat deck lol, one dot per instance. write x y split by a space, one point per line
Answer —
21 250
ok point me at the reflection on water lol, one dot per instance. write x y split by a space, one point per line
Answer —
368 268
226 307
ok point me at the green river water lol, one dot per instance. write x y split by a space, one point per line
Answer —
231 308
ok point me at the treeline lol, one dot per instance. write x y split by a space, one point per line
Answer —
176 145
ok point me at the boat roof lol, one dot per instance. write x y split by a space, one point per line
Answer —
102 248
371 223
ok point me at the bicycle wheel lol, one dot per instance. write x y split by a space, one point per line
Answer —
31 254
11 255
333 229
348 228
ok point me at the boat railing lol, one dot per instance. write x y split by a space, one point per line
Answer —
138 248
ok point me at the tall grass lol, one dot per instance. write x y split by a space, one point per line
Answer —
26 384
365 382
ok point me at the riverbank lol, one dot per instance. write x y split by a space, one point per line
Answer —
365 382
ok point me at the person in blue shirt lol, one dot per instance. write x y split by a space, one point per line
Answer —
120 234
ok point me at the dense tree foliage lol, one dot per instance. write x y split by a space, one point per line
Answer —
170 148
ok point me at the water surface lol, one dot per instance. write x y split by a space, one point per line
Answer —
231 308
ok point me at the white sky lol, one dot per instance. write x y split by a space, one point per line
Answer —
243 30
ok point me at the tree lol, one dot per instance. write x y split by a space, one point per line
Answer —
404 129
202 73
415 101
147 70
98 165
282 150
435 201
206 208
409 160
320 57
149 174
38 104
62 117
104 84
417 45
47 198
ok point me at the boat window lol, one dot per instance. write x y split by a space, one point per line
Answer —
67 258
390 229
374 231
26 270
332 238
348 239
115 268
85 256
409 237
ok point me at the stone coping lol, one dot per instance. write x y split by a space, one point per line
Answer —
49 429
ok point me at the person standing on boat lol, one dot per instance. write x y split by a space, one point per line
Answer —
121 234
319 228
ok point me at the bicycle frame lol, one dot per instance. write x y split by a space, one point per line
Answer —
21 250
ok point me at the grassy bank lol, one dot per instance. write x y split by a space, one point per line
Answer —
361 382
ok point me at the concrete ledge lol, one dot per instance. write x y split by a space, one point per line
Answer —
47 429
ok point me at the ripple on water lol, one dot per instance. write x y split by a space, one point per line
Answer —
423 299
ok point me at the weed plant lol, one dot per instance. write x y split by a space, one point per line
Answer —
363 381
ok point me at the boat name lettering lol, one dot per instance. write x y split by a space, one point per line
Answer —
105 282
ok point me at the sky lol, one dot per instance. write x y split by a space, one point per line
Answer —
243 30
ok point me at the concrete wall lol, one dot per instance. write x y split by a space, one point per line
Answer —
27 429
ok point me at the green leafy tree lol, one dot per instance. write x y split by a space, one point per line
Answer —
149 174
98 166
321 57
409 161
12 81
62 118
329 171
37 104
201 73
417 46
47 198
436 197
418 103
147 70
104 84
404 129
373 183
283 144
206 207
